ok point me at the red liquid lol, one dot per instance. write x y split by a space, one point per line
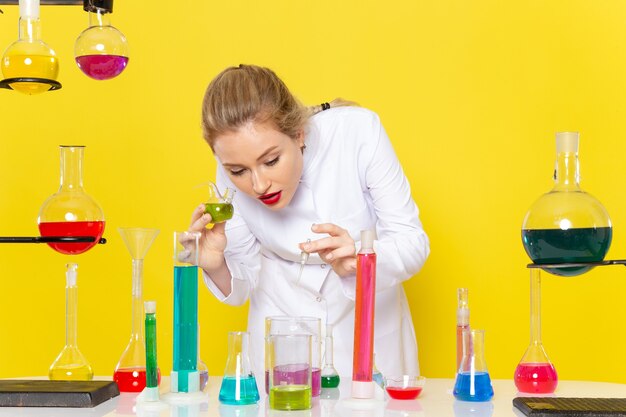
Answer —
132 379
408 393
95 229
102 67
363 360
538 378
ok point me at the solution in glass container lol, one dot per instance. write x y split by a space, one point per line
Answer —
290 397
408 393
95 229
30 66
476 387
102 67
185 324
242 392
204 379
132 380
220 212
551 246
330 381
540 378
71 373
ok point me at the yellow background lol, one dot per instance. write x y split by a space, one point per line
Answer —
471 93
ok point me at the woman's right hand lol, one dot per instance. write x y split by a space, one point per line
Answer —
212 241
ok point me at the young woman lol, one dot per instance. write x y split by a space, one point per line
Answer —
323 173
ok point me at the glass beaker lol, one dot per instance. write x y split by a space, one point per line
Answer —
239 384
290 376
185 376
275 325
535 373
472 380
130 372
101 50
566 225
71 211
219 206
329 375
71 365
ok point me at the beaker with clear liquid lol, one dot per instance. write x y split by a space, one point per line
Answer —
567 225
238 384
130 372
71 365
218 205
71 211
472 380
535 373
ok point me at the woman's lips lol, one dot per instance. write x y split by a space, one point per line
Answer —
271 199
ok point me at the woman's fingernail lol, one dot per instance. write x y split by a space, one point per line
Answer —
329 256
307 246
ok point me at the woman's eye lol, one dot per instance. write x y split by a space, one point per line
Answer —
272 162
237 172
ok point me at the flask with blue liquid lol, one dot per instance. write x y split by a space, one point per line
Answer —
472 380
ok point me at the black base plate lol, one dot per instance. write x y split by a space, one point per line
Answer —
43 393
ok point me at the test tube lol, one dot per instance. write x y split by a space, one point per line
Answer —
152 377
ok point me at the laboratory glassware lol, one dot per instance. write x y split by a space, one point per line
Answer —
152 369
566 225
462 322
101 50
472 380
203 369
290 376
71 365
299 325
185 377
404 387
329 375
362 386
29 65
130 372
218 205
535 373
377 376
238 384
71 211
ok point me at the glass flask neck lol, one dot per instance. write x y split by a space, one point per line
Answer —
473 351
566 172
137 330
29 29
99 18
535 306
237 363
71 168
71 308
328 351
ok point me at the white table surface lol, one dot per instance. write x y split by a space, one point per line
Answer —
436 400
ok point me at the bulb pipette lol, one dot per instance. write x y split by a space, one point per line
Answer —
304 257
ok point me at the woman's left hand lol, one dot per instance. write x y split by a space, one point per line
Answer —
338 250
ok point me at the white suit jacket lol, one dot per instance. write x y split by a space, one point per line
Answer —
352 178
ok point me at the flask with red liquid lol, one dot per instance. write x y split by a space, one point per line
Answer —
71 212
535 373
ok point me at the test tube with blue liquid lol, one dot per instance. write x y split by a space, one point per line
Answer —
185 376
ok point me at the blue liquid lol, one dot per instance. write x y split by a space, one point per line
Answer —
239 391
480 390
185 323
378 378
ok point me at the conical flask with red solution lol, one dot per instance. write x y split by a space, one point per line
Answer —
71 212
130 372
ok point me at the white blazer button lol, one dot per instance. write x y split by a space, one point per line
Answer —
323 266
318 299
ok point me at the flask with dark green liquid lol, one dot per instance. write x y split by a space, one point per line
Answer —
567 225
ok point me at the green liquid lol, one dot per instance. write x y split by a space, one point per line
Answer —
552 246
152 378
220 212
290 397
330 381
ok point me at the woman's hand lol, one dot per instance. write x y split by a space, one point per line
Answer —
338 250
212 241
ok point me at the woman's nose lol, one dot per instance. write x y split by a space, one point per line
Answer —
260 183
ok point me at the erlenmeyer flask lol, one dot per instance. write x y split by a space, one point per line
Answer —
472 380
535 373
130 372
101 50
71 365
218 205
71 211
239 384
566 224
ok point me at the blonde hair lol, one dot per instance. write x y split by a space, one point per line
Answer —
249 93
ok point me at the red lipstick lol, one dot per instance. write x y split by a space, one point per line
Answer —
271 199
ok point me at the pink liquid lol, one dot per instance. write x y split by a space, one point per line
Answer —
364 317
102 67
95 229
538 378
132 379
408 393
296 375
